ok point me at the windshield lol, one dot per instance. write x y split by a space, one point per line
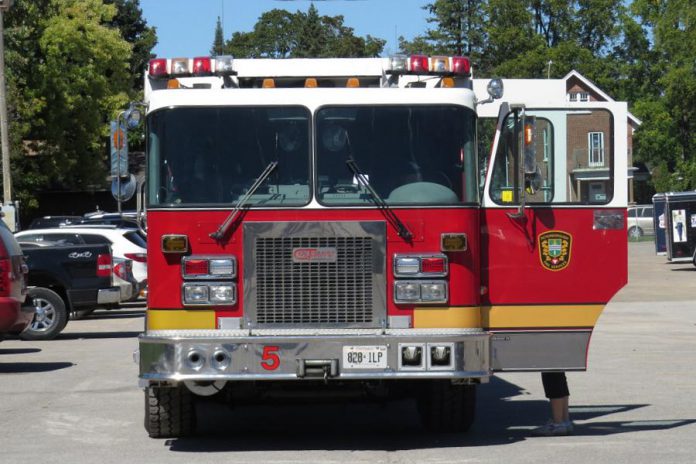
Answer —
213 155
410 155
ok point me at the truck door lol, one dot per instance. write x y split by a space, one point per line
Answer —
554 243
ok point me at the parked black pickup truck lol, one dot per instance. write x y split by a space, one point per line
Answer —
63 279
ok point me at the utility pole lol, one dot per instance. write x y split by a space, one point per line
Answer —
4 136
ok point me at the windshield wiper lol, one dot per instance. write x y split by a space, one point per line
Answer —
400 227
221 232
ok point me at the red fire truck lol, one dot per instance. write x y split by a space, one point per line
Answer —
321 226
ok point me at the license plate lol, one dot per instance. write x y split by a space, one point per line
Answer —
364 357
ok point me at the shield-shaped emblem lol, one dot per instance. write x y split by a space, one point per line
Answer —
554 250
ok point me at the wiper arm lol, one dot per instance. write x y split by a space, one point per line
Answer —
400 227
221 232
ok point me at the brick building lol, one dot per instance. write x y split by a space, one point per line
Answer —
589 167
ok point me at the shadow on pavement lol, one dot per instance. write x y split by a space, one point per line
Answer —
19 350
386 426
96 335
114 314
26 367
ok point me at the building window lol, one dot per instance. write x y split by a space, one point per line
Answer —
579 97
595 147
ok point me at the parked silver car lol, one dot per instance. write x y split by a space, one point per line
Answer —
640 221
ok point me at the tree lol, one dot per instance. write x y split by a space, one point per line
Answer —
134 30
667 137
282 34
68 72
459 30
219 41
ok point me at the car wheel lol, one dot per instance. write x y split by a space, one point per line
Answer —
50 316
635 232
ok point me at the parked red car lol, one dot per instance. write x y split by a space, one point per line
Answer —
15 316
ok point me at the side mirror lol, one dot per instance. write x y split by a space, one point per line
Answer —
495 91
133 117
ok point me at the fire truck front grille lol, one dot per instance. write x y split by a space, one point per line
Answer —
337 292
324 280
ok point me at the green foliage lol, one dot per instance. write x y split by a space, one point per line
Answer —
282 34
143 38
71 65
219 41
640 51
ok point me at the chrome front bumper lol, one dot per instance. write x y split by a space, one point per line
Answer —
211 355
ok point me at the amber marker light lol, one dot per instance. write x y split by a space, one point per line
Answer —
175 243
447 82
453 242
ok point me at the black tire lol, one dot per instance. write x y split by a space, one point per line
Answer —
169 412
50 318
448 408
635 232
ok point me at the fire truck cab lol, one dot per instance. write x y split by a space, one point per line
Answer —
327 225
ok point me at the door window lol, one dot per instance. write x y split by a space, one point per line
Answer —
573 153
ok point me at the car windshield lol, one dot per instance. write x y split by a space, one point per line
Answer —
213 155
409 154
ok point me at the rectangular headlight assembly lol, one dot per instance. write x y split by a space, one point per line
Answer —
209 294
419 291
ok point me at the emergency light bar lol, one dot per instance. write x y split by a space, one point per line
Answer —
435 65
163 68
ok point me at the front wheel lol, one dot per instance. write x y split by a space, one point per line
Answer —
50 316
169 412
635 232
444 407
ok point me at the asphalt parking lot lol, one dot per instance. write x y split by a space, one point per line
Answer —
75 399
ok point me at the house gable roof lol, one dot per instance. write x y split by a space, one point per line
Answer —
597 91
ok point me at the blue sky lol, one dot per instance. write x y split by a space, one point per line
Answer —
187 27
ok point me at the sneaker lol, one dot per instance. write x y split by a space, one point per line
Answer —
570 424
553 429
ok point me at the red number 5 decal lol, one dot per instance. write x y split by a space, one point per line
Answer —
270 357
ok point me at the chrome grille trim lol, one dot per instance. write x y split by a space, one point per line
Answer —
347 289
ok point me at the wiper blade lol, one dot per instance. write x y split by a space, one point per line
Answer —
221 232
389 213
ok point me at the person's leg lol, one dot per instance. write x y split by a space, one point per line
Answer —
559 409
556 390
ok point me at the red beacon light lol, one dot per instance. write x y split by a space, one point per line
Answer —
461 65
418 64
202 66
158 68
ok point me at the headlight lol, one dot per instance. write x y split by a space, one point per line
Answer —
434 291
407 291
416 291
222 294
195 294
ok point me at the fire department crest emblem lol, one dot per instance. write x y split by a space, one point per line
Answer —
554 250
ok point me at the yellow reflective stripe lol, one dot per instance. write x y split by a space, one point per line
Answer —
540 316
447 318
180 319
